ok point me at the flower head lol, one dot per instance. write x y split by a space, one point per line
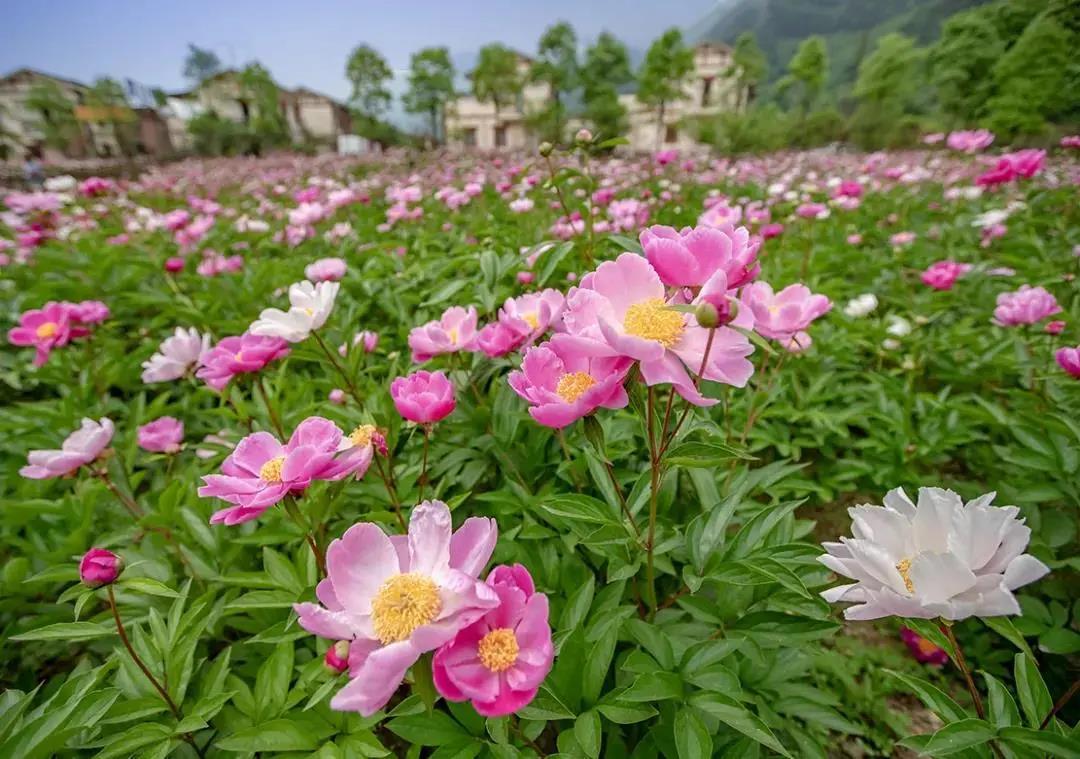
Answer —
99 567
326 270
690 257
51 326
454 331
923 650
395 598
942 275
1069 360
939 558
499 661
423 397
245 354
81 447
310 307
1025 306
176 356
783 315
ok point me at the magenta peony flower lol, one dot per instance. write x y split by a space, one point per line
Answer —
245 354
261 471
923 650
89 312
970 141
395 598
770 231
174 264
454 331
79 448
1025 306
500 339
942 275
1055 327
785 315
690 257
51 326
99 567
326 270
163 435
1069 360
423 397
499 661
563 384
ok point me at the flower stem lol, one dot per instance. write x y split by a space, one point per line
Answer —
654 483
135 657
339 368
275 420
1060 704
423 464
961 664
127 501
392 492
569 459
309 533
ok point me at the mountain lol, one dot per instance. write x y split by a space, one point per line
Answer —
850 27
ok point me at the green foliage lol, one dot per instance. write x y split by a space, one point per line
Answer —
807 72
496 78
749 67
55 114
431 84
888 79
667 64
556 60
605 69
961 64
368 72
200 64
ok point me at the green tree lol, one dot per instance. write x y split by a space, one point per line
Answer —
107 97
749 67
808 70
556 66
55 114
200 64
496 78
267 125
368 73
1030 79
888 78
667 64
431 84
961 62
606 68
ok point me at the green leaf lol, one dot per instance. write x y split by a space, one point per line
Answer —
738 717
577 606
587 733
423 682
952 738
691 737
294 734
694 455
654 686
1003 711
1055 745
149 586
272 681
545 707
653 640
126 743
578 508
1060 640
1004 627
935 699
432 729
624 712
68 631
1034 697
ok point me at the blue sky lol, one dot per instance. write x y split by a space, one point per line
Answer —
300 42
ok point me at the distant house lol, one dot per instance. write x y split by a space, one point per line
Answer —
311 116
708 91
22 127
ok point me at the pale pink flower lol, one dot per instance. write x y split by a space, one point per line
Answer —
81 447
423 397
245 354
396 598
690 257
454 331
499 661
971 141
176 356
1025 306
521 205
785 315
326 270
1055 327
902 239
163 435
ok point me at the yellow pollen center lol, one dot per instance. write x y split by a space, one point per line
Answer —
48 329
925 646
362 435
651 320
572 385
498 650
452 334
404 603
904 568
309 311
271 470
531 320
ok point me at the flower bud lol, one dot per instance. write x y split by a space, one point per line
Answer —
337 657
100 567
337 396
174 264
583 136
546 148
707 315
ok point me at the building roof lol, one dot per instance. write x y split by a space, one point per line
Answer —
26 71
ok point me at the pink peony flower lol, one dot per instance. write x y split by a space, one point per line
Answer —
1055 327
785 315
770 231
690 257
175 356
89 312
923 650
1069 360
848 189
1025 306
942 275
163 435
52 326
423 397
99 567
261 471
336 396
563 384
500 339
245 354
621 309
396 598
970 141
174 264
81 447
902 239
326 270
454 331
499 661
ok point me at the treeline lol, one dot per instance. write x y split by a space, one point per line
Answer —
1009 66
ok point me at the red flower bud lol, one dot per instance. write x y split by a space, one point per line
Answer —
100 567
337 657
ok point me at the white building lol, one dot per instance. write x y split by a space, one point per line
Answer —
708 91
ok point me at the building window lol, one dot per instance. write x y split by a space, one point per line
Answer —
500 137
469 137
671 133
706 91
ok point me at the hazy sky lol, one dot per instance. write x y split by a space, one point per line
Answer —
300 42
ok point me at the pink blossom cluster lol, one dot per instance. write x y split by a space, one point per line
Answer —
942 275
1027 305
56 324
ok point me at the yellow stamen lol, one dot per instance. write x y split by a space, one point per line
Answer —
651 320
46 330
271 470
904 568
404 603
498 650
572 385
531 320
453 335
362 435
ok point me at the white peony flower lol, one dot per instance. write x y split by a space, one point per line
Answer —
990 218
861 306
176 356
898 326
310 308
941 558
